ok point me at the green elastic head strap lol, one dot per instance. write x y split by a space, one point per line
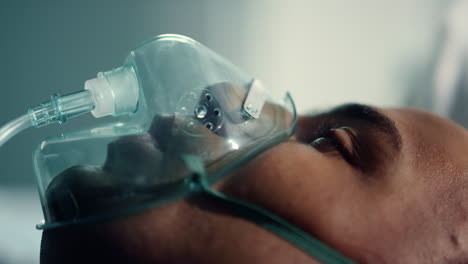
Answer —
199 183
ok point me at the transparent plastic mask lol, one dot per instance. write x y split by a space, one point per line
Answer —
189 101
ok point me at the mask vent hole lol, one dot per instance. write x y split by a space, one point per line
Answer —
216 112
209 126
208 97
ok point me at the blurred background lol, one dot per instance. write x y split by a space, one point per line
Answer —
390 53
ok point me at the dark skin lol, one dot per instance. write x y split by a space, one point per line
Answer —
390 187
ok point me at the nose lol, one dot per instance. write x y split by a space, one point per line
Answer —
161 130
132 156
307 127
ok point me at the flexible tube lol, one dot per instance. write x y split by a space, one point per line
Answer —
14 127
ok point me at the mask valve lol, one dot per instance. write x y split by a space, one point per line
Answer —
200 108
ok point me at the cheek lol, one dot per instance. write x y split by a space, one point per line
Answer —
322 195
195 230
317 193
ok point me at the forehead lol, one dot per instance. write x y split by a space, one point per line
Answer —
431 143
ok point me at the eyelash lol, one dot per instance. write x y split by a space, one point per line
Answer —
349 155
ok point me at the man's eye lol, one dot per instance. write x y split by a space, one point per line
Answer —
338 140
325 144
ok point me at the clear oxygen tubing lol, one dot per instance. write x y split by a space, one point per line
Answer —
14 127
58 109
110 93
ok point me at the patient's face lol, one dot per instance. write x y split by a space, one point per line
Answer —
379 185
